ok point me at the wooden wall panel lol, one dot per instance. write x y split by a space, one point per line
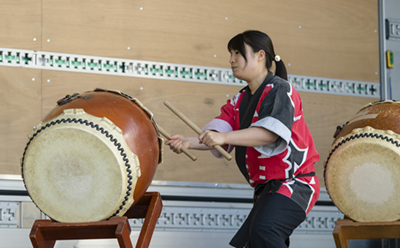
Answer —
20 108
20 24
334 39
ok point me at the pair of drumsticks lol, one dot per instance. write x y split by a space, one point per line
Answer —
195 128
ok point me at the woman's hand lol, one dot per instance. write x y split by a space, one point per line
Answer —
212 138
175 143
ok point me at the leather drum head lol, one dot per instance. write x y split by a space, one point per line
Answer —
362 175
78 168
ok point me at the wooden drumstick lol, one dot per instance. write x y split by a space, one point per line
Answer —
184 149
196 129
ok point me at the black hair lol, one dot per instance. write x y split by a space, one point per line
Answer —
258 41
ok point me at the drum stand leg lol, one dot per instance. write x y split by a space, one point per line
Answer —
347 229
45 233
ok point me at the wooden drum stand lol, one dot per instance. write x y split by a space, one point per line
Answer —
347 229
45 233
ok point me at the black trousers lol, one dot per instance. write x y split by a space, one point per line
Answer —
270 223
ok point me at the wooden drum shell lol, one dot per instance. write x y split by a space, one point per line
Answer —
134 125
382 115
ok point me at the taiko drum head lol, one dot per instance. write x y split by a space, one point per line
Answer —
78 167
363 166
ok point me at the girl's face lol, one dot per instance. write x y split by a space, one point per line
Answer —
242 69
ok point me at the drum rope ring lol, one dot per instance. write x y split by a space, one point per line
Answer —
102 131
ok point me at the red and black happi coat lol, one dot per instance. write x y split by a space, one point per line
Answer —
277 107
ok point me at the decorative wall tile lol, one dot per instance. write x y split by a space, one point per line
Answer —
178 72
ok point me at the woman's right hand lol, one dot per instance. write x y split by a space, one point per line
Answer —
175 143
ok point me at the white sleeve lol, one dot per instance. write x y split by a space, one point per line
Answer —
277 127
220 126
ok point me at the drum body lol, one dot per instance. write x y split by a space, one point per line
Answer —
363 166
91 157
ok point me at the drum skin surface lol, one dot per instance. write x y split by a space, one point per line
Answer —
363 166
109 168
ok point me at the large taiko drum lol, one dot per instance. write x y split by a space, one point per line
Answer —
91 157
362 170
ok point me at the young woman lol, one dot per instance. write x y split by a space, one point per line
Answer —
274 148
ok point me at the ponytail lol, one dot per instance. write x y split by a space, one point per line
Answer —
280 69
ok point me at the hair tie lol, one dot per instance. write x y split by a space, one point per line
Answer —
277 58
